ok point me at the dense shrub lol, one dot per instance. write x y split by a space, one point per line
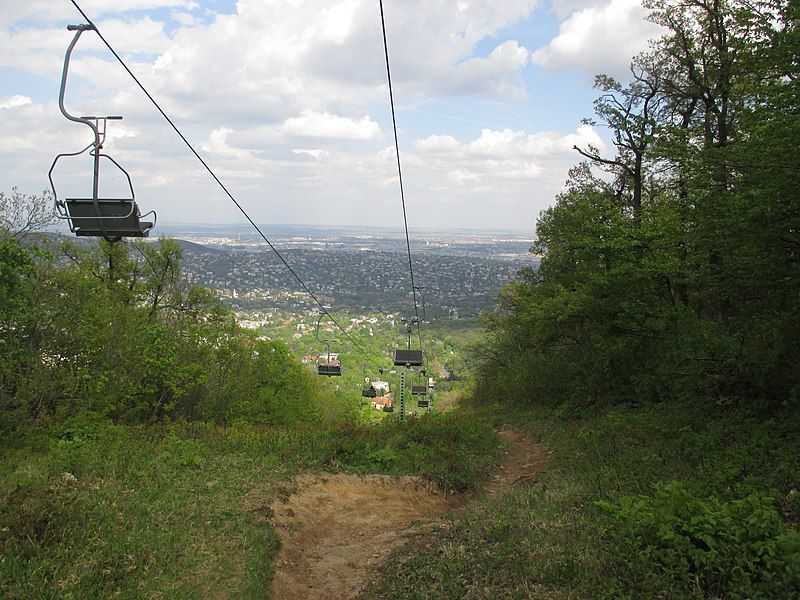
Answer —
692 546
115 330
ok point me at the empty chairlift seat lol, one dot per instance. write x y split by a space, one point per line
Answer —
109 218
419 390
408 358
329 365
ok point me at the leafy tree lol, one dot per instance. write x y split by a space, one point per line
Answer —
678 278
21 214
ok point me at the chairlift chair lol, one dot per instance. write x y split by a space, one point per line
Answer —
420 389
96 216
328 364
423 403
408 357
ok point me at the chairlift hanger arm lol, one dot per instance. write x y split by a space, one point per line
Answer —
78 29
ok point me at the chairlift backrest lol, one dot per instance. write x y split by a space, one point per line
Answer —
408 358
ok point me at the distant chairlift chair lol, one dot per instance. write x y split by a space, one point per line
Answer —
328 364
110 218
408 357
421 392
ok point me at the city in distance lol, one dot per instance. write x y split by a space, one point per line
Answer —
459 272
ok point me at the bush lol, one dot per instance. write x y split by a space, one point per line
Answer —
703 547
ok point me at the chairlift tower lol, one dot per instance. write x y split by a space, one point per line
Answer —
403 394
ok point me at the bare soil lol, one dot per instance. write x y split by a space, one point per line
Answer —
522 462
337 530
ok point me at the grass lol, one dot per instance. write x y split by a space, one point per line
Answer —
133 513
553 540
90 509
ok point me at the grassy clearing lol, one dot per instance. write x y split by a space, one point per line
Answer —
553 540
89 509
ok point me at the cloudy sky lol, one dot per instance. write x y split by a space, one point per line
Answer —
287 100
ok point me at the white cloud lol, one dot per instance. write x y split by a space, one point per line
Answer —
218 144
14 102
184 18
496 74
315 153
600 39
504 154
288 100
326 125
49 11
564 8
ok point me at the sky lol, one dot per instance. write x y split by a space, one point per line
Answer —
287 101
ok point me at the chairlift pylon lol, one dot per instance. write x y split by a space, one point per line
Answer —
96 216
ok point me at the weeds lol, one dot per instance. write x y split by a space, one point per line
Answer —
604 521
90 509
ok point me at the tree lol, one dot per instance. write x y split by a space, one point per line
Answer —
21 214
630 112
681 278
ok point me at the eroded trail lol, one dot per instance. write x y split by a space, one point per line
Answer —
337 529
523 460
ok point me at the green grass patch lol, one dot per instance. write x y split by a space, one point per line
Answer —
90 509
656 502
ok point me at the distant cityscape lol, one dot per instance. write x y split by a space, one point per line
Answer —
458 274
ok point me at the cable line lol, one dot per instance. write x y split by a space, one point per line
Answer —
218 180
400 173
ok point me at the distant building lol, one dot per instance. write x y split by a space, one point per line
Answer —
382 387
380 402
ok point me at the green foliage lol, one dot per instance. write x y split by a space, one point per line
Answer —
703 546
663 321
90 508
452 450
549 539
116 331
676 276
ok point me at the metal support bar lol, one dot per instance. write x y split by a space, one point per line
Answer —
403 393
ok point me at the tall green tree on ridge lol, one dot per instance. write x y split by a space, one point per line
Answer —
678 277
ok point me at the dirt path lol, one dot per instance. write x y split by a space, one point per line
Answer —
337 529
523 460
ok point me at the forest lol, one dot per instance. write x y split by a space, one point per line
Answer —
667 306
652 357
